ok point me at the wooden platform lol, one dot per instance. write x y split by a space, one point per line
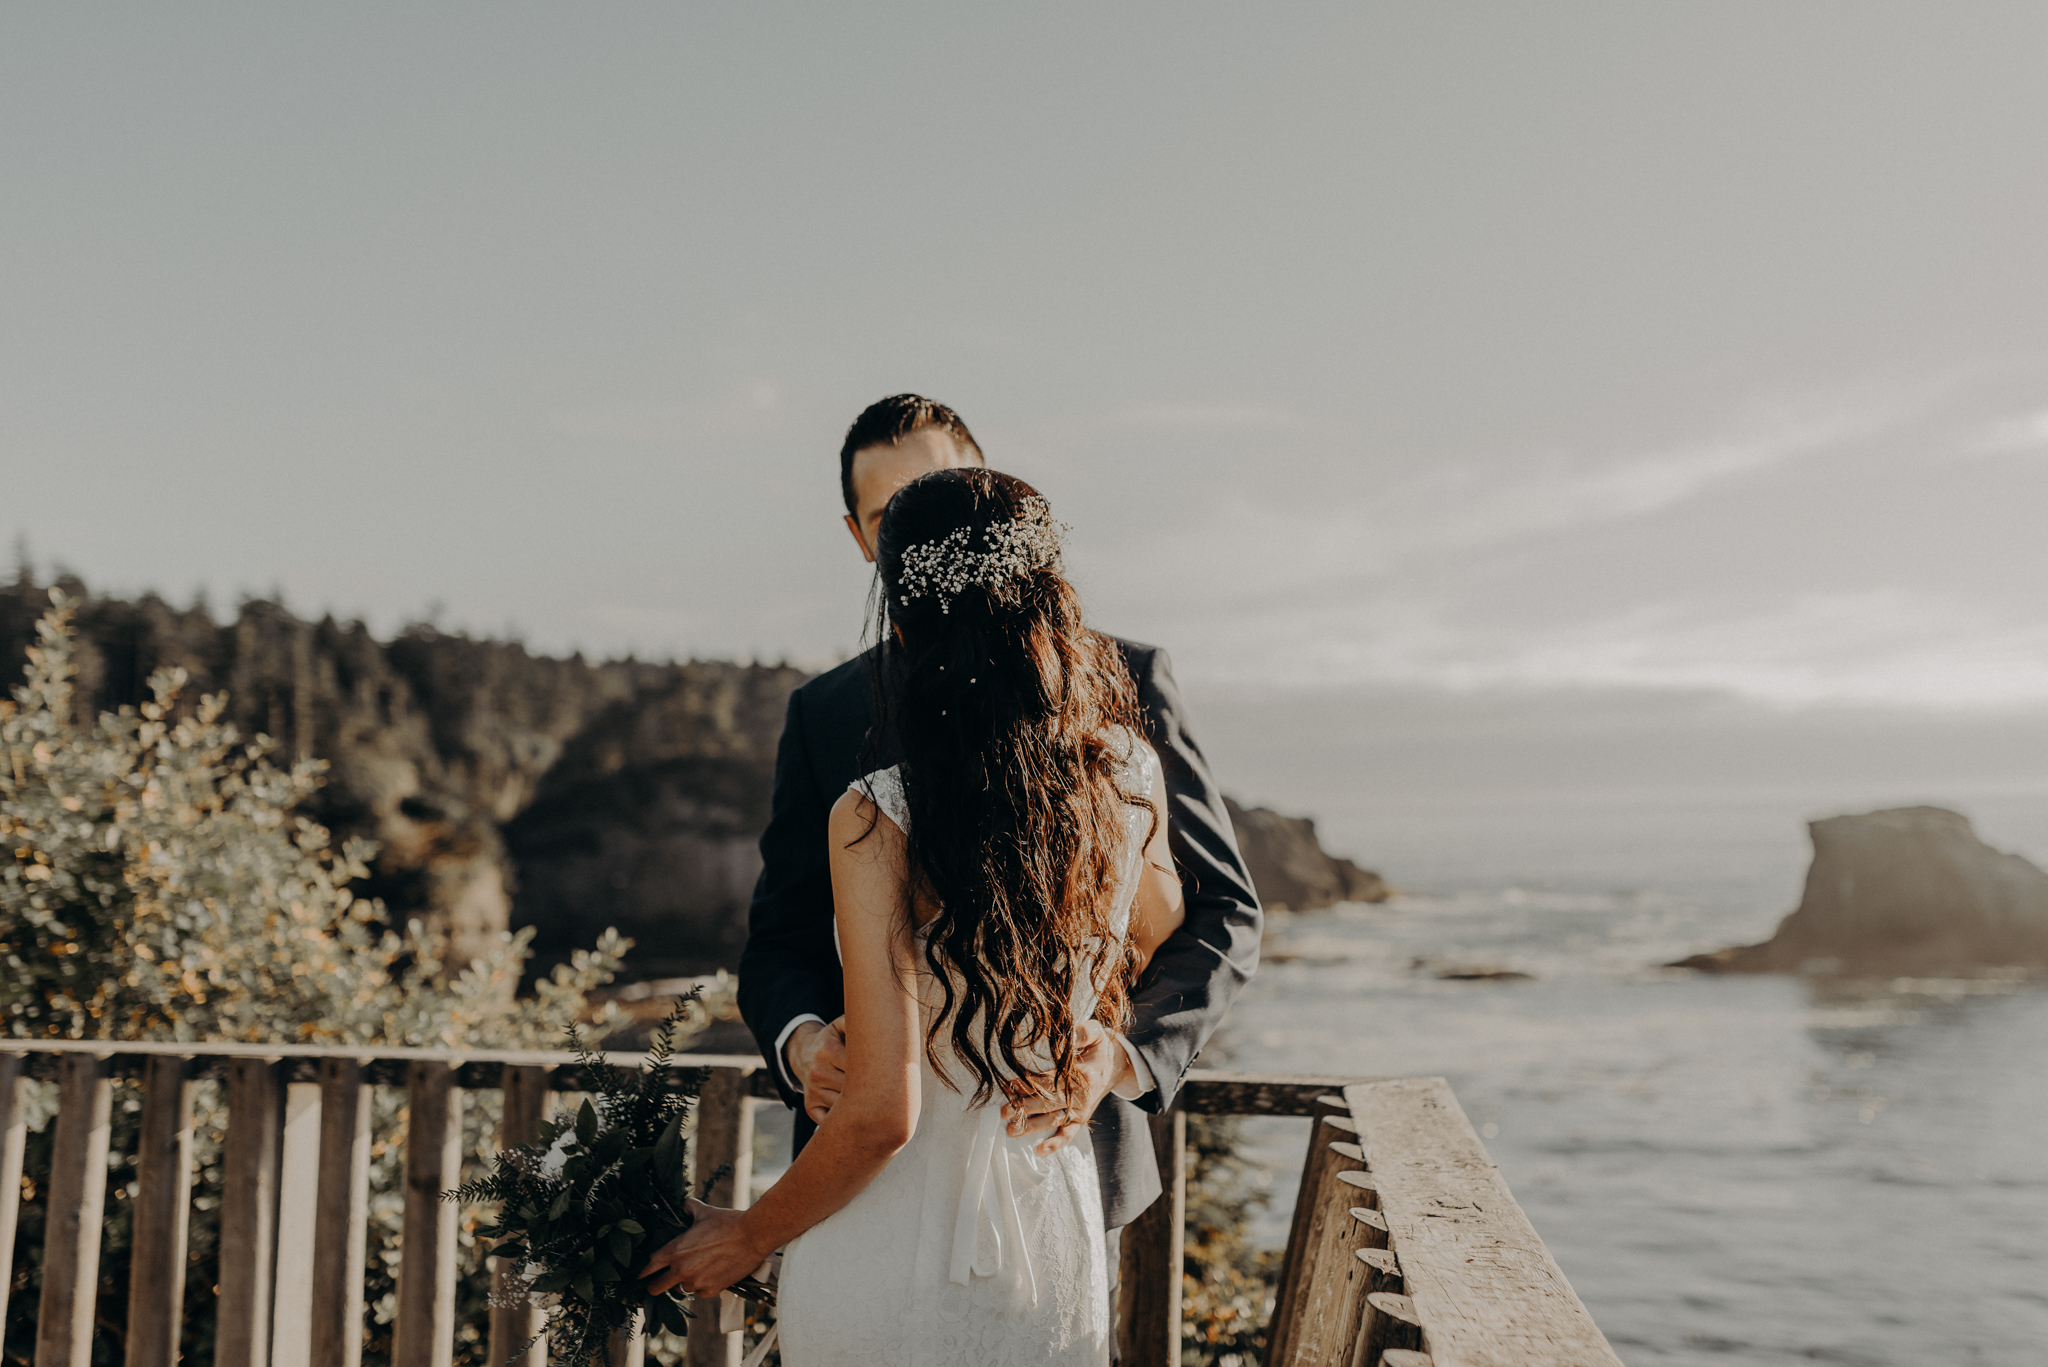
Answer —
1406 1248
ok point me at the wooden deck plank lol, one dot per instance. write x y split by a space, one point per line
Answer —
1216 1091
340 1243
163 1210
298 1215
13 1149
528 1104
1486 1290
1205 1091
1326 1130
1330 1304
248 1205
725 1137
1149 1278
76 1211
424 1333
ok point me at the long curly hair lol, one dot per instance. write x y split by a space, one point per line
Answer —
1005 707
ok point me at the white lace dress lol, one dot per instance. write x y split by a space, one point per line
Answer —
969 1250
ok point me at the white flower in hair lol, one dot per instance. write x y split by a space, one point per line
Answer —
946 568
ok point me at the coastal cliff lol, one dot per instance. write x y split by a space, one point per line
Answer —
505 788
1911 890
502 788
1291 869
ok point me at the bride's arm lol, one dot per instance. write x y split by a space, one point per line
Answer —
877 1113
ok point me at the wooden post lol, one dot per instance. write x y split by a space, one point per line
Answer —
1332 1299
13 1147
163 1209
1149 1282
78 1198
628 1347
424 1335
1326 1130
248 1214
725 1135
527 1103
1386 1268
1473 1269
298 1211
342 1222
1395 1326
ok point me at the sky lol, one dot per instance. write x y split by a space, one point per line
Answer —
1678 350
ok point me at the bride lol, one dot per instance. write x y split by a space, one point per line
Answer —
994 893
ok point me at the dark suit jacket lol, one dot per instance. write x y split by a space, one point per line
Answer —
790 966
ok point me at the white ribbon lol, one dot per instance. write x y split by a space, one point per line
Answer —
988 1201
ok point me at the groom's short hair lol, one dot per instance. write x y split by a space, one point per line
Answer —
888 421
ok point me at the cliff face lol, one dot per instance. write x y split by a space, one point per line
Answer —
1906 891
509 789
503 788
1290 868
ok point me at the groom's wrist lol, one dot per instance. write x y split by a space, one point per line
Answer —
790 1051
1133 1078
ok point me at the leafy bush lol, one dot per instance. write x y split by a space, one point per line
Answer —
157 884
1228 1284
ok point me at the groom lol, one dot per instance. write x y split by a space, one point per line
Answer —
790 989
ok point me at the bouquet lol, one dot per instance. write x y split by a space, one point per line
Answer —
604 1188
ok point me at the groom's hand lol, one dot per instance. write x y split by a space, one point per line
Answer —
817 1060
1102 1063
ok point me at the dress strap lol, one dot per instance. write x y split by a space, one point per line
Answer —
884 788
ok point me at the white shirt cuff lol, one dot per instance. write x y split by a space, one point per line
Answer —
1141 1080
781 1055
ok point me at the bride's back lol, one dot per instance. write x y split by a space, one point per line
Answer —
1014 834
1139 775
1023 791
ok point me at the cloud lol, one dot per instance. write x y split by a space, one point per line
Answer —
1793 589
2022 434
1296 533
1872 647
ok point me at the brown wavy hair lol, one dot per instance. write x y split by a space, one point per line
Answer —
1003 704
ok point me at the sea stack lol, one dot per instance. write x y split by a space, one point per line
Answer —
1291 869
1906 891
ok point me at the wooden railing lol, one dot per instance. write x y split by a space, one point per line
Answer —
1404 1239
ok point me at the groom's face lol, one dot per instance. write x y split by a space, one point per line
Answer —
879 471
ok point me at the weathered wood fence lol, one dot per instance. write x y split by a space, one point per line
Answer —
1406 1248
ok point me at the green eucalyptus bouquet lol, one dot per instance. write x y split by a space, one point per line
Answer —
604 1188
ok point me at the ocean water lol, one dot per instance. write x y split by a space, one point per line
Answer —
1758 1170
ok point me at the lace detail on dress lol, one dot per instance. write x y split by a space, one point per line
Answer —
884 788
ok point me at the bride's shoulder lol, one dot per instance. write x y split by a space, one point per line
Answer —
1138 760
880 793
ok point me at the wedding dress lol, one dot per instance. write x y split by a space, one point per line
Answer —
970 1249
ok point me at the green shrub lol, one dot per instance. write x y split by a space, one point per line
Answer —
1228 1283
156 883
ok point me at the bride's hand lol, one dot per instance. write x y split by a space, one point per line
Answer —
1102 1064
706 1258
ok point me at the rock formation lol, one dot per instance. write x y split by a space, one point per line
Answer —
1290 868
1907 891
467 761
509 789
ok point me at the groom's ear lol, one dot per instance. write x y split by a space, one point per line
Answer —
859 540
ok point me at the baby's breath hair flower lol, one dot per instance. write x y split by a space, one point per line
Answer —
946 568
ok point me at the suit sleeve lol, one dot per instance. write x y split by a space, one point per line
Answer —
789 967
1193 978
